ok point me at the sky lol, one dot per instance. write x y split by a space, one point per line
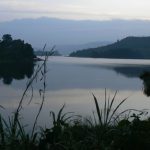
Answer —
75 9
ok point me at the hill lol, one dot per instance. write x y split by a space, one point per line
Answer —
15 50
130 47
72 35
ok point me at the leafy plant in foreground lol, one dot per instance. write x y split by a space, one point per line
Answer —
107 114
53 138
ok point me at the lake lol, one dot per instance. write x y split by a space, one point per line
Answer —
71 81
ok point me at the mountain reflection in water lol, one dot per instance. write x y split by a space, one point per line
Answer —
146 82
18 71
72 81
132 71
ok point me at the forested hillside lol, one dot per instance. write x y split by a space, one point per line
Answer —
130 47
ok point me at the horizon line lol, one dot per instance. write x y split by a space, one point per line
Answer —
76 20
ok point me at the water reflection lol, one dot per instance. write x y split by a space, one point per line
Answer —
73 83
142 72
68 75
18 71
146 82
131 71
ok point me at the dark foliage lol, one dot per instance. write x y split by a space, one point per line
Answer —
126 135
15 50
134 135
18 71
146 82
128 48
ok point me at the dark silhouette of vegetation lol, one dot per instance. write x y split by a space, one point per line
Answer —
128 48
15 50
125 135
18 71
16 59
146 82
131 71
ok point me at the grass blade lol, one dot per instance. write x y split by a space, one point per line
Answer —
98 110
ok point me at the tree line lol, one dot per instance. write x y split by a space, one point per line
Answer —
15 50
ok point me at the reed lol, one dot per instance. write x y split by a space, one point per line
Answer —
107 113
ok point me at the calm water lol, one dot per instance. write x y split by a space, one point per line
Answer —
72 81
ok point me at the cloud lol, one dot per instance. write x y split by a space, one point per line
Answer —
79 9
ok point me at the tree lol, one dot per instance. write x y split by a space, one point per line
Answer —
15 50
7 37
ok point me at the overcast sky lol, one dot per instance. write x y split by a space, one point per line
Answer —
75 9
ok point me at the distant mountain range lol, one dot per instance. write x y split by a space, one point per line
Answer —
130 47
67 49
71 35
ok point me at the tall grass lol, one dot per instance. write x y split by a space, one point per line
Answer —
107 113
11 130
